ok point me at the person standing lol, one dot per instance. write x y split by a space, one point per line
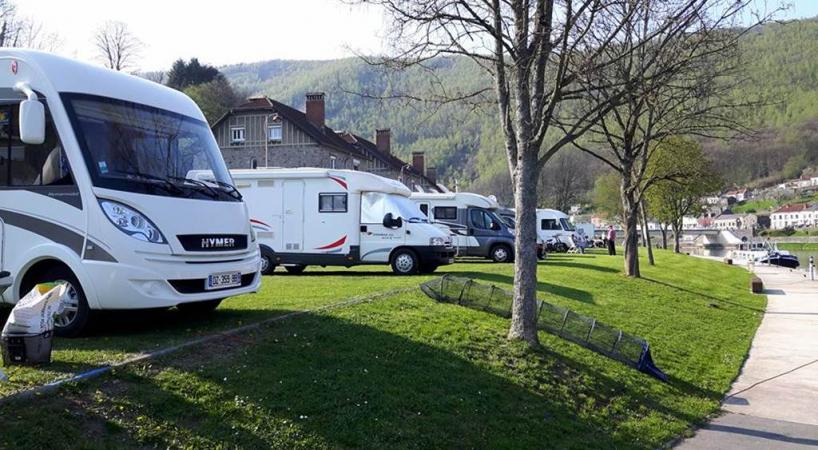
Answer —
611 237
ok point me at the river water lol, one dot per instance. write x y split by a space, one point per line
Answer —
803 255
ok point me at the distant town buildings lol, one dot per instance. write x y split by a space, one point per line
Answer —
736 222
799 215
264 132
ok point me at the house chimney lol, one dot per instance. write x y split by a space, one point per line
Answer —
419 162
315 109
383 141
431 174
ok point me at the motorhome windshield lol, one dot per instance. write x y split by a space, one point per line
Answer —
375 205
566 225
137 148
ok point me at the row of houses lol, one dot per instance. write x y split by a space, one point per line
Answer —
264 132
795 216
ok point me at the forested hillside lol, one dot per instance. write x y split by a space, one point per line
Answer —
463 141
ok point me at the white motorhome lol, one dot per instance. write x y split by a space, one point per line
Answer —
553 224
325 217
473 222
94 191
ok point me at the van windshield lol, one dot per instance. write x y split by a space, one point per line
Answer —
375 205
566 225
137 148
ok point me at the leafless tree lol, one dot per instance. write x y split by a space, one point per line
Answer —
678 82
544 57
117 47
16 31
566 179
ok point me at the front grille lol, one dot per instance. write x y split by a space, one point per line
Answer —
197 285
213 242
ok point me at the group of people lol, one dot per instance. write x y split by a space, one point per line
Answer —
580 241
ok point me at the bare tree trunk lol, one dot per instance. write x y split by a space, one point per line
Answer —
663 228
649 244
524 313
630 209
676 238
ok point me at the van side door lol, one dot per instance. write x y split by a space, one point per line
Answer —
480 228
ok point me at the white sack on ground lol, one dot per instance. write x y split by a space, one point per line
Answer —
34 313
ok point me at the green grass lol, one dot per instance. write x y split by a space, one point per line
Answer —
754 206
797 246
406 372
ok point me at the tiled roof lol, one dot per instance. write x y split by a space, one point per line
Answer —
798 207
326 136
390 160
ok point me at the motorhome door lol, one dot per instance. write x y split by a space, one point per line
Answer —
293 222
377 240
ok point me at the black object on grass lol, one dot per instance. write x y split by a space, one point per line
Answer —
577 328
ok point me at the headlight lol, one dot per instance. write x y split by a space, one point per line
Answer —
437 241
132 222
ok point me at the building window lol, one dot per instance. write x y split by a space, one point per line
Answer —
237 135
355 164
332 203
274 132
332 160
445 213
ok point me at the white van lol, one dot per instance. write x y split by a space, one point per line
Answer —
325 217
553 224
473 222
94 192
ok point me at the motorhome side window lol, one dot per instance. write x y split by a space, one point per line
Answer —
549 224
480 219
445 212
332 203
424 208
30 165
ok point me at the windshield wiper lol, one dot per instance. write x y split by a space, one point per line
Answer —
163 182
213 193
230 188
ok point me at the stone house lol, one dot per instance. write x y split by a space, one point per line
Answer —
263 132
735 222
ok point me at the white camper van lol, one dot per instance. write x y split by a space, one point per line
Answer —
94 191
553 224
345 218
472 220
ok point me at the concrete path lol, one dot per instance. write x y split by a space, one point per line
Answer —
774 401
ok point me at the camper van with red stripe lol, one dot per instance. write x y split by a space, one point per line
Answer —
325 217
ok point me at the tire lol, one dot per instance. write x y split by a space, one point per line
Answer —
75 319
501 254
268 265
428 268
204 307
295 270
405 262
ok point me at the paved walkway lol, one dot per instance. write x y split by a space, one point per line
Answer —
774 401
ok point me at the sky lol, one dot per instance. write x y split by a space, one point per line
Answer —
236 30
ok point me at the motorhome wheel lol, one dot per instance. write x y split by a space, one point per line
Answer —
404 262
76 314
295 270
268 265
501 254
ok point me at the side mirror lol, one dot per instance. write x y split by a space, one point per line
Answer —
389 221
32 122
495 226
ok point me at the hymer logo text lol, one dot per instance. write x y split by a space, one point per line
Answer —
218 242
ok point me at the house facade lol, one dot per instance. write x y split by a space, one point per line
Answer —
263 132
735 222
795 216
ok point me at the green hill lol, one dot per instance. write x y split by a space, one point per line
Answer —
464 142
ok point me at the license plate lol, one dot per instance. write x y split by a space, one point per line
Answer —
223 280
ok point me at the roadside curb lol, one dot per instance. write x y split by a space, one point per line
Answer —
27 394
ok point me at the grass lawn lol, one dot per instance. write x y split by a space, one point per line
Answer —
406 372
799 246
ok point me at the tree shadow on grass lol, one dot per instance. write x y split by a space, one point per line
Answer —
506 281
704 295
318 380
578 265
